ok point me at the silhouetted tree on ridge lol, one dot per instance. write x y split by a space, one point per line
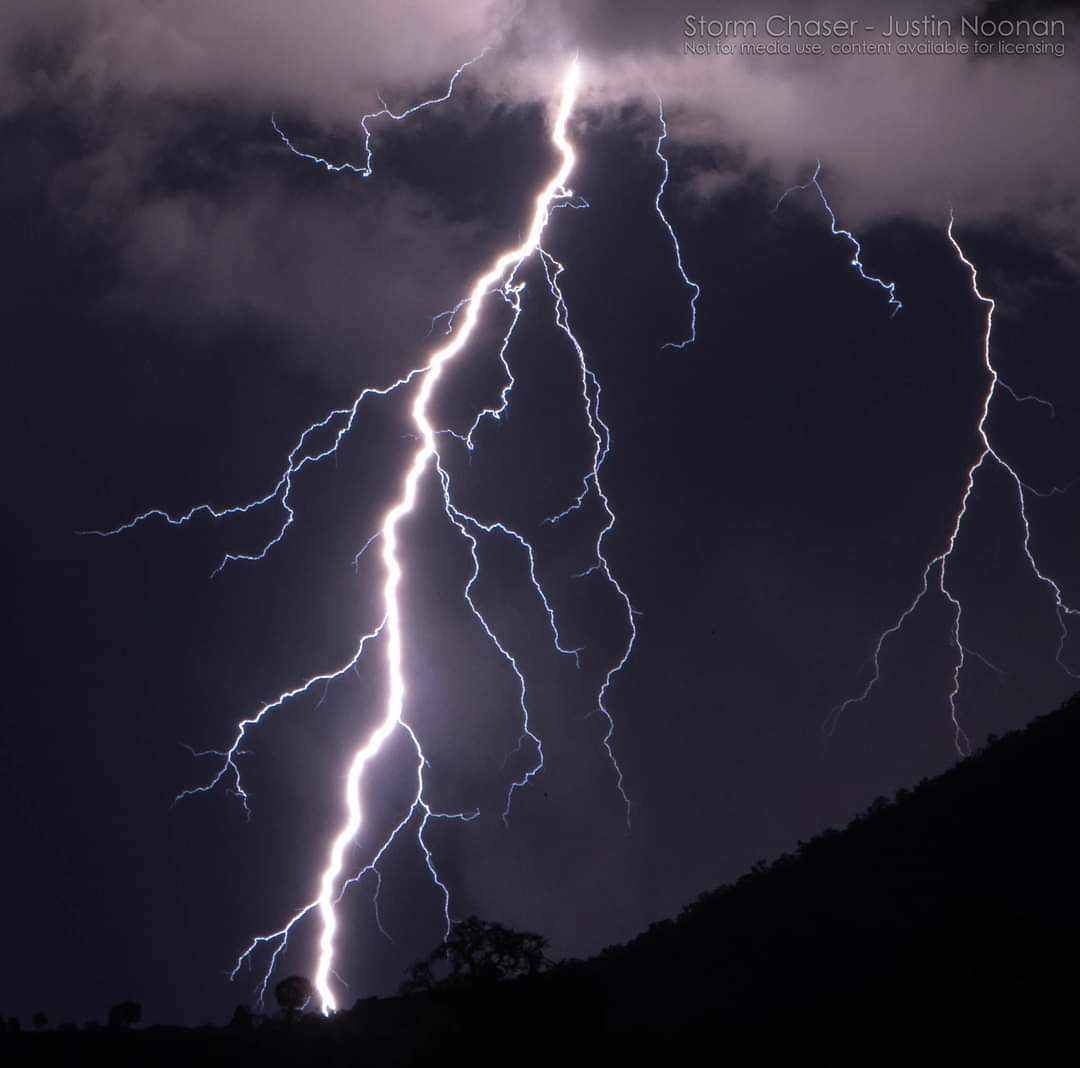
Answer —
947 912
478 951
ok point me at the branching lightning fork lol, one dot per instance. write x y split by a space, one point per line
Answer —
695 289
937 566
500 278
365 169
856 257
591 484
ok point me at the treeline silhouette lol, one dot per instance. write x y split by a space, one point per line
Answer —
949 913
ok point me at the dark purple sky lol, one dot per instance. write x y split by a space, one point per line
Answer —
184 297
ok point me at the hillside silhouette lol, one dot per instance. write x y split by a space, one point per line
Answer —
949 912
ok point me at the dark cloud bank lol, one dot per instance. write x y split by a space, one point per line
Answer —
898 135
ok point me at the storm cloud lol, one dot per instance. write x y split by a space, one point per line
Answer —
897 134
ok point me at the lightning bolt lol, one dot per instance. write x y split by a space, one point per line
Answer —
299 457
502 273
837 231
500 278
936 568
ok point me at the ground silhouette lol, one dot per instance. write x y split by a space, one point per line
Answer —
947 915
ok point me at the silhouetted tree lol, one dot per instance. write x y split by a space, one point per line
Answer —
292 994
39 1020
478 951
125 1014
241 1019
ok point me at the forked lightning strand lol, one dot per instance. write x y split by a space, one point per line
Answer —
695 289
937 566
856 257
366 168
502 274
500 278
601 435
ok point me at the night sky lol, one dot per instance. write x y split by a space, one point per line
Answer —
182 297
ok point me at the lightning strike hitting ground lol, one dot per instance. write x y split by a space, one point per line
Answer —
937 566
856 259
501 279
